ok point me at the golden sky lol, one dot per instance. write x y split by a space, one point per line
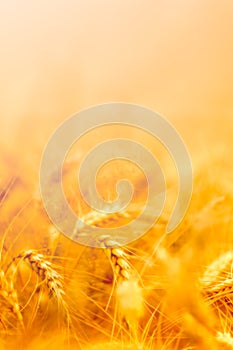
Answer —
59 56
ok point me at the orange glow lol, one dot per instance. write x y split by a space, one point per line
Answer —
58 57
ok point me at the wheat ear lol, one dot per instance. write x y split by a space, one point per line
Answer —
128 290
8 292
217 280
120 263
129 294
46 272
218 270
217 286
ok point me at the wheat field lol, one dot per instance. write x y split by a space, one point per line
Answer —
162 291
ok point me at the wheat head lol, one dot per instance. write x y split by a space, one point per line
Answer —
45 270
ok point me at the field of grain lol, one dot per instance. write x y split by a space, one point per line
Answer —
160 292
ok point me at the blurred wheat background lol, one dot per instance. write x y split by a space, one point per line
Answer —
58 57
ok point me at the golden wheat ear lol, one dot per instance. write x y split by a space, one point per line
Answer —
129 296
217 283
217 271
47 273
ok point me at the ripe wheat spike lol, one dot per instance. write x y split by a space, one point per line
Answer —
44 269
